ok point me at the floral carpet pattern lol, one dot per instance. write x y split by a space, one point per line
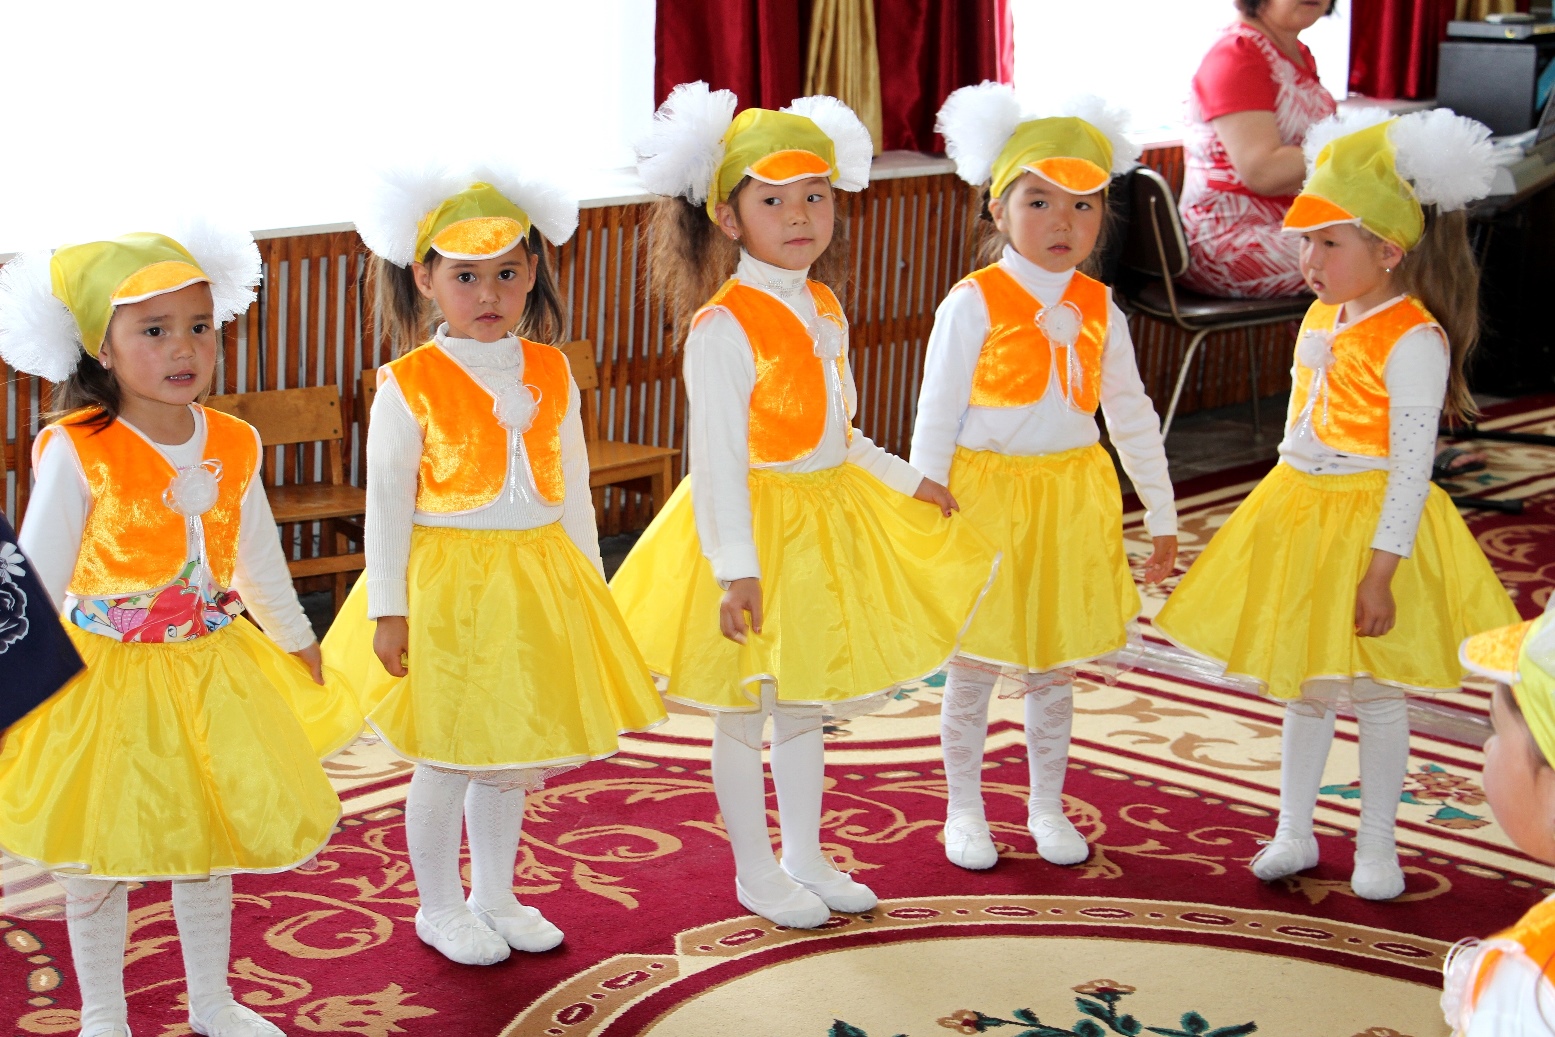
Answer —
1162 931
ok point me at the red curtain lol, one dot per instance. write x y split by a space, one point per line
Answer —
1394 46
757 49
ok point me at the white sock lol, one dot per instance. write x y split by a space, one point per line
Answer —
97 918
963 731
434 816
741 787
1384 752
799 774
203 910
1049 718
1305 740
495 820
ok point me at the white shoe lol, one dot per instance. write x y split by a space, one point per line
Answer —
799 909
838 891
523 927
111 1030
1377 875
465 940
1285 856
969 844
234 1021
1058 841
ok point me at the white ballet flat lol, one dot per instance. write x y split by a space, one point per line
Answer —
799 909
111 1030
1377 876
1285 856
523 927
466 940
235 1021
1058 841
969 844
838 891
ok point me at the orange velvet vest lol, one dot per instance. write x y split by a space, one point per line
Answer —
1017 358
133 542
1536 932
1354 416
464 453
789 401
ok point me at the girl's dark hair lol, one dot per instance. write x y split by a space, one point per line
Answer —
690 257
988 240
1440 271
90 385
409 317
1250 8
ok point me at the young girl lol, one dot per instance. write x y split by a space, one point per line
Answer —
1021 355
1347 576
482 638
790 516
189 749
1505 986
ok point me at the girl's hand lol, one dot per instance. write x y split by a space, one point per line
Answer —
742 596
1375 612
1162 560
391 644
937 495
313 659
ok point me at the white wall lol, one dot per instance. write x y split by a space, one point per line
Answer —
117 116
1141 54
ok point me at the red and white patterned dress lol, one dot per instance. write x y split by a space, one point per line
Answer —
1235 244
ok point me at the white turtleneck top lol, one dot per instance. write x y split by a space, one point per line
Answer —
720 372
394 445
946 419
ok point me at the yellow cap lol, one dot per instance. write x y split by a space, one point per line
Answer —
1502 655
1064 150
1355 180
477 223
92 279
773 147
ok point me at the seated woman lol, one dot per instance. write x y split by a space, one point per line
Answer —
1253 98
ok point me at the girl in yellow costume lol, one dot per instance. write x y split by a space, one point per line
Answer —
482 638
790 516
1346 575
189 749
1022 354
1505 986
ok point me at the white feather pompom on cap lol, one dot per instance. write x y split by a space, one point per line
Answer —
680 155
1447 157
550 207
976 122
37 333
850 139
1341 124
1111 121
230 259
394 203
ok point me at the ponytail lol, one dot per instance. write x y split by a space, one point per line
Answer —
1441 272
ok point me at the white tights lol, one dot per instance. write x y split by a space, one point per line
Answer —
798 773
436 805
964 731
1384 752
97 919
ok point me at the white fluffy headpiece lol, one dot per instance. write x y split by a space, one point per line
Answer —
1447 158
977 123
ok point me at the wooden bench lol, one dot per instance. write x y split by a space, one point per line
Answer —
286 417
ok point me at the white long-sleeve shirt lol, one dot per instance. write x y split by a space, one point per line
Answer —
394 445
1416 379
946 419
720 372
56 521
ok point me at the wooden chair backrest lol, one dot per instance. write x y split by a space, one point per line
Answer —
1154 243
580 357
288 416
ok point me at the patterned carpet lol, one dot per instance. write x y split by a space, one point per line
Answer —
1163 928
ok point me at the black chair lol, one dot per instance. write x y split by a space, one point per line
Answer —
1155 249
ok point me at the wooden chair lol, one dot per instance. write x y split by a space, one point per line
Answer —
629 465
285 417
1155 247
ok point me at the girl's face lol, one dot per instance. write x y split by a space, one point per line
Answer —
162 351
1518 783
1343 264
788 226
1047 225
482 299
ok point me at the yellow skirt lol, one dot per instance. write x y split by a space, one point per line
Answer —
518 657
169 761
1064 593
1273 595
863 589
